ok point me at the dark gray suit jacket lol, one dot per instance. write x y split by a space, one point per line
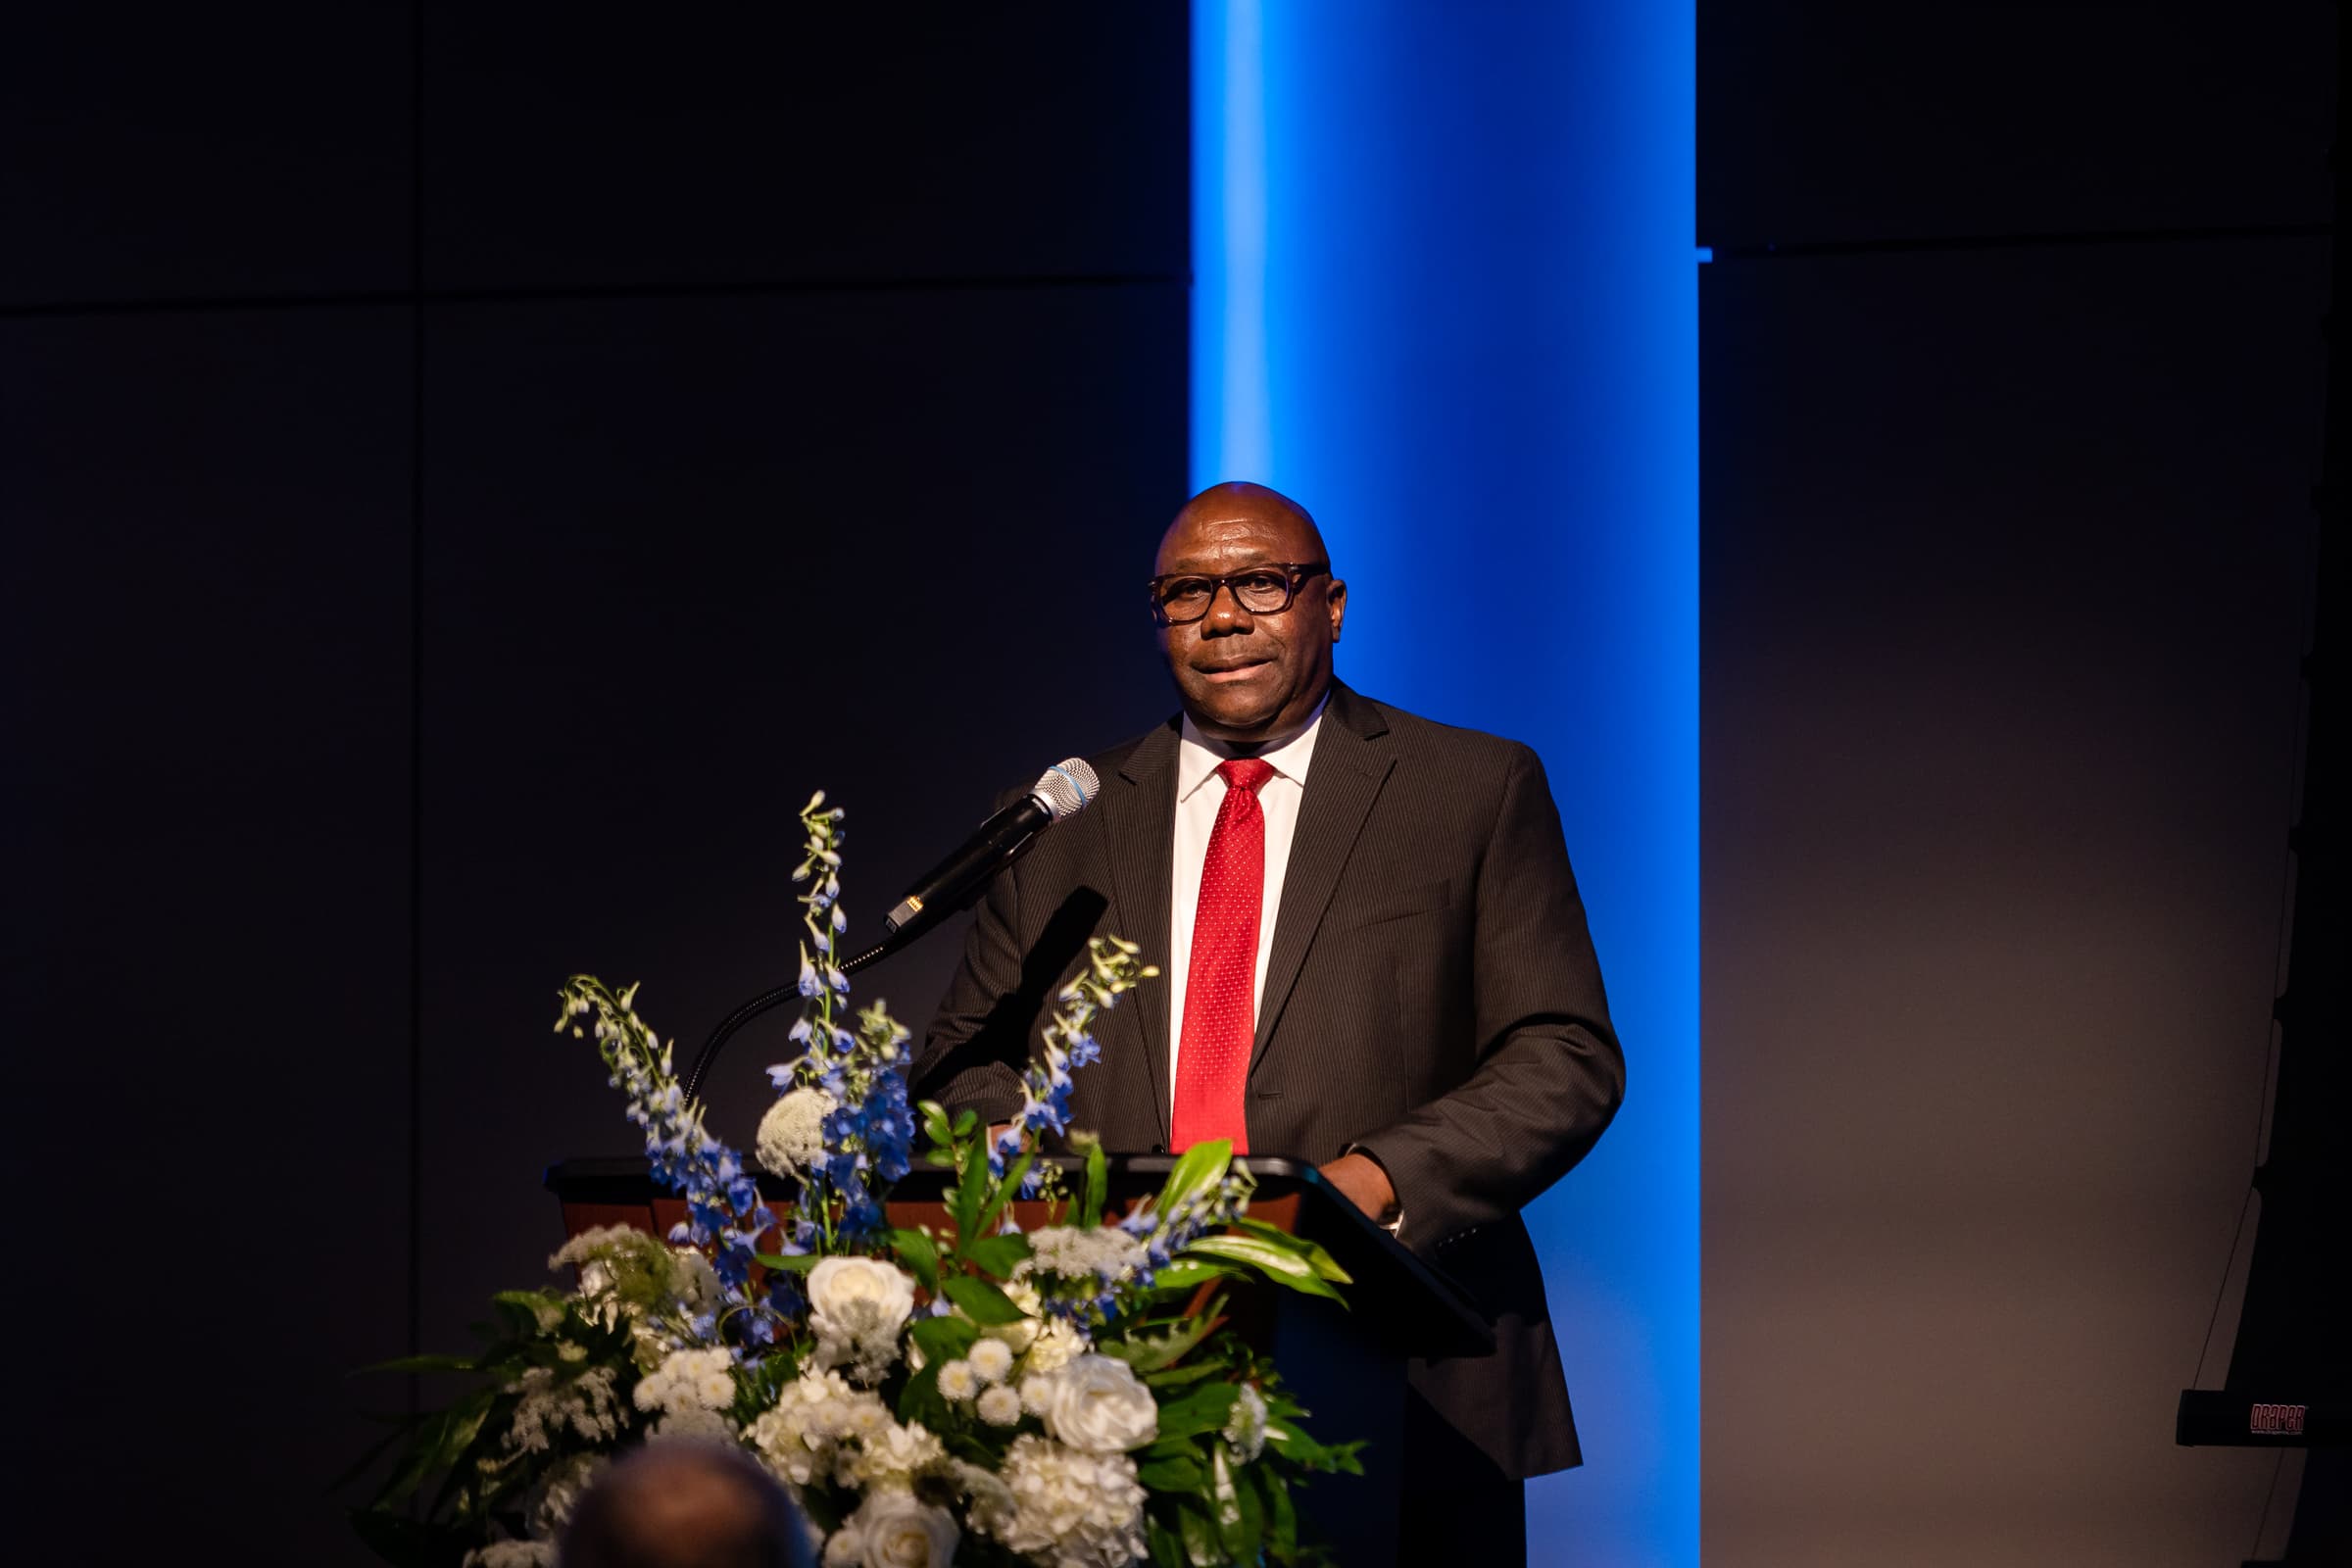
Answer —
1432 995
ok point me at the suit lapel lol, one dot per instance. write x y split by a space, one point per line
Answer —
1141 834
1342 783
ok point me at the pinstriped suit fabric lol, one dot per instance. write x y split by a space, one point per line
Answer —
1431 995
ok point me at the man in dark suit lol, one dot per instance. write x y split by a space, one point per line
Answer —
1375 958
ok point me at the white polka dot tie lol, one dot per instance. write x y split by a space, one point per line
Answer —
1220 987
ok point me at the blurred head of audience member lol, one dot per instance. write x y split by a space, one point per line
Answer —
686 1504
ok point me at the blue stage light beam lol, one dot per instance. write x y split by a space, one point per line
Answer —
1446 294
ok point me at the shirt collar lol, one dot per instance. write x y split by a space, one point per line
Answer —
1198 756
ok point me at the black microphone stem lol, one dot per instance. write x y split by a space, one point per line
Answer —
752 1008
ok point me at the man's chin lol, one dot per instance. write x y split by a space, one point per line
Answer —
1234 721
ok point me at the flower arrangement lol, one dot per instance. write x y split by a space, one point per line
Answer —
968 1392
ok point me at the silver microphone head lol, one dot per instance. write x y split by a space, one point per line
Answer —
1064 788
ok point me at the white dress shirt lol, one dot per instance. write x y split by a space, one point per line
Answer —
1199 794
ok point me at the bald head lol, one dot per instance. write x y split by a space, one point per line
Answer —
1235 500
685 1505
1251 679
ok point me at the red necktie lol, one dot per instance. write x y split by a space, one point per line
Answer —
1220 987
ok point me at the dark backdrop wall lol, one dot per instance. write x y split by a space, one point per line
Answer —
468 475
2011 383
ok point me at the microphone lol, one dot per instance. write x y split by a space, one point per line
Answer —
1061 791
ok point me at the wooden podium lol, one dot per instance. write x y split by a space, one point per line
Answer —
1345 1364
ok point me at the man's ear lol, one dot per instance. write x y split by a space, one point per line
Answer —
1338 597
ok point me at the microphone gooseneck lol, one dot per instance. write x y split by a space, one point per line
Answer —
954 883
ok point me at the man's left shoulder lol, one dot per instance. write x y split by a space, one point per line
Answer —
1410 735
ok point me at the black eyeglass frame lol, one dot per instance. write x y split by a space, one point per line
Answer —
1295 574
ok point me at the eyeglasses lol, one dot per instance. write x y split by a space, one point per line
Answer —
1266 590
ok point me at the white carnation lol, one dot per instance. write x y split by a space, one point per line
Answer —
689 1380
1057 1344
896 1529
991 1359
801 1435
1098 1403
792 1135
891 1456
999 1406
1066 1508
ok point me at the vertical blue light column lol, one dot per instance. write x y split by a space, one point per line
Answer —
1446 296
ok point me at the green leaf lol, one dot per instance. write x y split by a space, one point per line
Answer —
1098 1187
971 1191
1180 1473
1277 1263
919 1253
440 1438
1006 1189
1321 1261
1241 1518
1166 1545
1191 1273
1203 1410
981 1302
944 1339
1282 1516
1202 1546
965 1120
798 1263
1200 1168
997 1255
1151 1352
935 1122
1178 1376
921 1401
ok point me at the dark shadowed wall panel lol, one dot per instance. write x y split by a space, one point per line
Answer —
690 561
901 141
1836 122
2011 379
204 628
178 152
695 537
2003 575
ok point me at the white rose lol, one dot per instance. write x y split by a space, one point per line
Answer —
1098 1403
792 1135
858 1299
899 1531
